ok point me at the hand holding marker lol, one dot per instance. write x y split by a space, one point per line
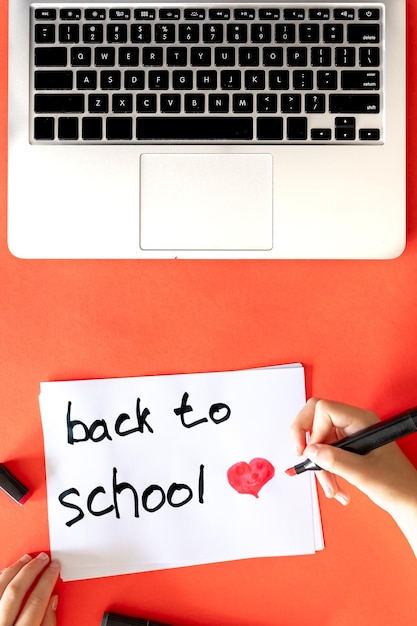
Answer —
369 438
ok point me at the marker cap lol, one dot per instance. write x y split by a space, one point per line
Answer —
13 487
114 619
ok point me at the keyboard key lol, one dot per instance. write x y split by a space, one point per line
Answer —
230 79
104 57
327 80
68 128
44 128
315 103
333 33
194 14
369 14
69 33
135 80
164 33
224 57
177 56
297 57
369 57
146 103
53 80
219 103
321 134
119 128
244 14
219 14
297 128
369 134
158 79
92 128
86 80
363 103
45 14
93 33
363 33
145 14
242 103
189 33
294 14
45 33
80 57
194 103
194 128
267 103
95 14
170 103
169 14
357 80
269 14
213 33
98 103
54 57
344 14
279 79
345 57
110 79
291 103
57 103
270 128
70 14
285 33
117 33
152 56
140 33
122 103
128 57
319 14
273 57
309 33
260 33
120 14
182 79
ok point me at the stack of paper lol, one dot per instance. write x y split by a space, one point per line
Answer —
167 471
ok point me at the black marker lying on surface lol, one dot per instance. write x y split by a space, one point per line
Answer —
114 619
368 439
13 487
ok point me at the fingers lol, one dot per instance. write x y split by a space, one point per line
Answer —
328 421
50 615
15 583
8 573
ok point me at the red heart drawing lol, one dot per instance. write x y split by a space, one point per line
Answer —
250 478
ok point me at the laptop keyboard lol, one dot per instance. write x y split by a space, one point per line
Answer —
241 74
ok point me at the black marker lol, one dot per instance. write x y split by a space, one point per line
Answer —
114 619
368 439
13 487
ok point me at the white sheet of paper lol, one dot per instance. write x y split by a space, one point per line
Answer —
157 495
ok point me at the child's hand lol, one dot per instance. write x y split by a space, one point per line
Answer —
38 576
384 474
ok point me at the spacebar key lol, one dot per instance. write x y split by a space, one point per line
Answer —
197 128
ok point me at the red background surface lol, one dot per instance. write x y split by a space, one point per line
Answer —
352 324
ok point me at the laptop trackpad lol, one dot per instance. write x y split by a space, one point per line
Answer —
206 201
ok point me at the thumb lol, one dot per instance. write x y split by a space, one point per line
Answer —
345 464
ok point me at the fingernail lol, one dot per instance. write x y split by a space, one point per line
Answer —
54 603
25 558
311 451
42 556
342 499
54 563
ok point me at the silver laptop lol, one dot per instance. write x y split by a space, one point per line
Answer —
259 130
